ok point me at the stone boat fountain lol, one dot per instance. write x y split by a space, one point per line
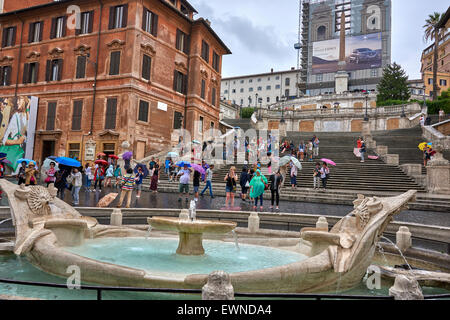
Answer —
47 228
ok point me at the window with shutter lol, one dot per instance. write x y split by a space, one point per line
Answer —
177 120
26 68
213 97
180 82
150 22
216 61
143 111
51 115
35 32
85 23
81 67
118 17
77 114
203 91
114 66
59 27
146 67
5 75
205 51
9 37
111 110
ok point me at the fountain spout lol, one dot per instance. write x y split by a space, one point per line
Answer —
193 211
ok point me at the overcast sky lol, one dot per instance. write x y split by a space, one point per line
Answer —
262 33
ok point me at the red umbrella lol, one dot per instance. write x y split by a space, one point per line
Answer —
101 161
113 156
101 154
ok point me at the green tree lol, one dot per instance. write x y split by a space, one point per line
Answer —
432 33
393 85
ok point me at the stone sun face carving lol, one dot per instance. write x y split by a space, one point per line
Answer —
38 199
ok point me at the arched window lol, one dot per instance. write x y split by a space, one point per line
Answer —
321 33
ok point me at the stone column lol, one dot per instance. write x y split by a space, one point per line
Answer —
116 218
218 287
283 129
366 129
403 239
253 222
438 175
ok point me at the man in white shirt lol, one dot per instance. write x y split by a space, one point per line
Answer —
183 187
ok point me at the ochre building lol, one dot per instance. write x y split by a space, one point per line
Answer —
111 71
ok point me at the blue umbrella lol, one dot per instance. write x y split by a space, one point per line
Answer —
173 155
182 163
144 169
25 160
68 162
52 157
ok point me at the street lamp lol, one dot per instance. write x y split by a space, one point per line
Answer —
366 118
283 99
256 101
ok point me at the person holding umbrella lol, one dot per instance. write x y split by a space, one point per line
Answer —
324 173
294 173
257 187
99 174
21 173
185 174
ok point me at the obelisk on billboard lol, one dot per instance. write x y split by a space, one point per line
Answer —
341 78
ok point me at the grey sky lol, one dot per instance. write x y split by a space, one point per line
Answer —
261 33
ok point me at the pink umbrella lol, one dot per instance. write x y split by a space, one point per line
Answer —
328 161
198 168
373 157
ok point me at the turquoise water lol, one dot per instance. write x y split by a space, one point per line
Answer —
159 255
19 269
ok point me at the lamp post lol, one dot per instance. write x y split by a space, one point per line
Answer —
283 99
366 118
256 101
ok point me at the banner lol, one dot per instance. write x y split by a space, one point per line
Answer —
361 52
17 128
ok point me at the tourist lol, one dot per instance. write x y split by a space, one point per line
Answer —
315 141
294 172
316 176
324 174
441 115
21 174
89 177
275 183
309 151
231 182
422 121
76 186
359 143
152 163
51 172
173 170
30 178
139 177
99 176
244 182
301 151
426 155
205 166
183 187
118 176
209 176
127 188
60 184
257 186
155 177
362 151
109 175
167 166
196 183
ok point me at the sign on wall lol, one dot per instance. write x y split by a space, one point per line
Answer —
17 128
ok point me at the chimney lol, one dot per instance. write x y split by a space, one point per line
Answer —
208 22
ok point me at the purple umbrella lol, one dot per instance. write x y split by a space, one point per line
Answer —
198 168
127 155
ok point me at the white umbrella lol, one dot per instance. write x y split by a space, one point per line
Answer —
284 160
46 164
296 163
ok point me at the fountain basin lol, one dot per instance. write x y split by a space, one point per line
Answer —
191 232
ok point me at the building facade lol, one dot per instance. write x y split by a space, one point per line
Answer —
129 73
228 110
368 43
260 90
443 76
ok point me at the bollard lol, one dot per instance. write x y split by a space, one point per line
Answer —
218 287
253 222
405 288
322 223
116 218
403 239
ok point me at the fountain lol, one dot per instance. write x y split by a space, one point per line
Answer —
122 256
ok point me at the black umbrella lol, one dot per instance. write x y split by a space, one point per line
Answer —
144 169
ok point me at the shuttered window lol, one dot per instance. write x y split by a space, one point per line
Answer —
216 61
5 75
205 51
143 111
77 114
180 82
81 67
146 67
111 111
118 17
177 120
58 28
9 37
35 31
183 41
30 72
213 96
203 91
114 64
150 22
86 23
51 115
54 70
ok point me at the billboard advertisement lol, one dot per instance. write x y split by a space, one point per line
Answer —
361 52
17 128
